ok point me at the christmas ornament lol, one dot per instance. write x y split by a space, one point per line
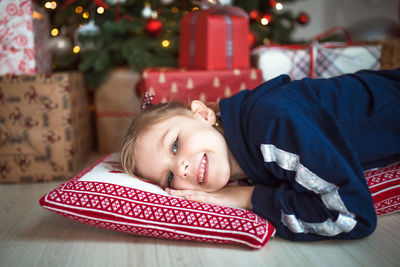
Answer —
225 2
303 18
253 39
88 36
60 45
146 12
272 3
254 15
153 26
114 2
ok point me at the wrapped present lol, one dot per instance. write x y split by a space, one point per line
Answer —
187 85
116 103
24 37
316 60
45 129
215 39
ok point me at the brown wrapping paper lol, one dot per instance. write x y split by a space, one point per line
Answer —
45 129
116 103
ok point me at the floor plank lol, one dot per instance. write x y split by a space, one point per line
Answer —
33 236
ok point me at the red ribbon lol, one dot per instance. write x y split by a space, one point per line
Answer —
315 41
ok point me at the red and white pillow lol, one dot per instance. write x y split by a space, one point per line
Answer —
104 196
384 184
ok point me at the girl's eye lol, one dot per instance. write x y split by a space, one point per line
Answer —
175 146
170 178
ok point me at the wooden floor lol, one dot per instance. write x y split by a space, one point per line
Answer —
33 236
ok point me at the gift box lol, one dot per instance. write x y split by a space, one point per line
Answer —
215 39
205 85
316 60
45 129
116 103
24 37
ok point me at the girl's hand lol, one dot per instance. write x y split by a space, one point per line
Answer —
233 196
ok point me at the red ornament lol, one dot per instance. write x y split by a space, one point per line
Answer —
253 39
154 26
303 18
254 14
272 3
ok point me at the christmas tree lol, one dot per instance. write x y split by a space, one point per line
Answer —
96 36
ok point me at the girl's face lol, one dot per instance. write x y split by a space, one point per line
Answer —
185 152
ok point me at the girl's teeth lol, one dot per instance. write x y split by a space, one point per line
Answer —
203 165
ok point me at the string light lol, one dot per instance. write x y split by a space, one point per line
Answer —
36 15
54 32
264 21
50 5
76 49
174 9
85 15
165 43
78 9
61 44
100 10
278 6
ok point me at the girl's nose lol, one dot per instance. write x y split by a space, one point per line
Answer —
182 168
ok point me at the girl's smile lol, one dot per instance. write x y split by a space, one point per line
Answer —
202 170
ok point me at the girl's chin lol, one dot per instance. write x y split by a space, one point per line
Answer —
213 188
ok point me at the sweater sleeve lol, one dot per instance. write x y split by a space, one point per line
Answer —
322 193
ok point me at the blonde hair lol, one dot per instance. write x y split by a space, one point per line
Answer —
143 121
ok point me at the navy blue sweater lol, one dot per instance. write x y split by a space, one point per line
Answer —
305 144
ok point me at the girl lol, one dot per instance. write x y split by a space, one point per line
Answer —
302 144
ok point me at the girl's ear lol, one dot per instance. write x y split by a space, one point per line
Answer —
203 111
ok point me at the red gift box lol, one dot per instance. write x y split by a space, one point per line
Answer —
187 85
215 39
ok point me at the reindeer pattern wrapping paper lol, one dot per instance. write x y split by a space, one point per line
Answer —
45 129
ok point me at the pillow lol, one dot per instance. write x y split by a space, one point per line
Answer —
384 184
104 196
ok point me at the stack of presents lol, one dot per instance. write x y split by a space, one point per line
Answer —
45 124
46 127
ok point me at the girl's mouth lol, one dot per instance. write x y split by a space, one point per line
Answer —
202 170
